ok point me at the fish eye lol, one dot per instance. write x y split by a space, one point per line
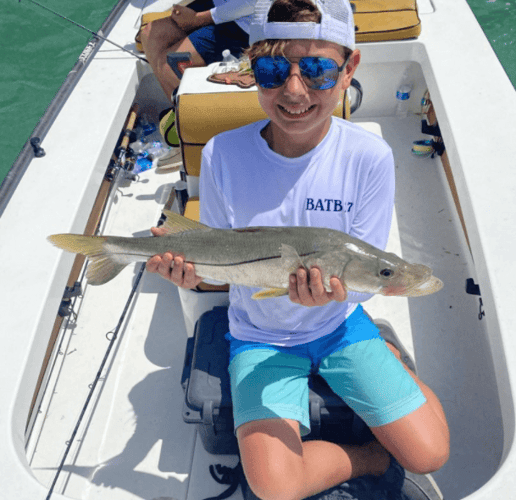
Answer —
387 273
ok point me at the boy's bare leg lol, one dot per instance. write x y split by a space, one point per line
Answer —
420 441
161 37
279 466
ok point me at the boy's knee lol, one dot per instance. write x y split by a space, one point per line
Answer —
273 493
274 485
427 460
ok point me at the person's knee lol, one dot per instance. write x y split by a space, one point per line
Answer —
429 458
274 476
272 457
146 31
426 465
275 484
161 32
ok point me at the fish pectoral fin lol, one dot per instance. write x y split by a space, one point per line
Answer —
290 259
176 223
270 293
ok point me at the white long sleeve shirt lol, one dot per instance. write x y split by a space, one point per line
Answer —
239 11
344 183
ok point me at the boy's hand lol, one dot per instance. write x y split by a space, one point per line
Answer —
190 20
309 290
173 267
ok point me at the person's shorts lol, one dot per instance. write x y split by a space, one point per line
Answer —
210 41
269 381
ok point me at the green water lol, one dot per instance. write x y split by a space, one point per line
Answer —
38 50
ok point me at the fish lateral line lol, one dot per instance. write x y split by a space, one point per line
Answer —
261 259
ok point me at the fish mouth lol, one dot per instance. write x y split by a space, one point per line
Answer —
427 287
420 284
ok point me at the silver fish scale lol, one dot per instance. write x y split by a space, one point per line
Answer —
237 246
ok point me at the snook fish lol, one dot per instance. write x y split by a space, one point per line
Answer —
262 257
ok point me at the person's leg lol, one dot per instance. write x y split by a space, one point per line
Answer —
403 413
269 391
420 441
279 466
158 39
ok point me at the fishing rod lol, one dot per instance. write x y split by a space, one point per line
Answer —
97 378
88 30
115 332
120 164
111 175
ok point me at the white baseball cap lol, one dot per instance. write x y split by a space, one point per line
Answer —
336 24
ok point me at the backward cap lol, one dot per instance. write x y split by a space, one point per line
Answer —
336 25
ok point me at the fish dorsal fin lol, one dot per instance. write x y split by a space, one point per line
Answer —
176 223
290 258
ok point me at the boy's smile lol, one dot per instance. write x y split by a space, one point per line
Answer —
301 116
292 111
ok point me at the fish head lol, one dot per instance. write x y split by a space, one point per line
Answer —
391 276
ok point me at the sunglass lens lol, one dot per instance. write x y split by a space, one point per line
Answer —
271 72
320 72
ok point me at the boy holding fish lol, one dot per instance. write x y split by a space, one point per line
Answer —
304 167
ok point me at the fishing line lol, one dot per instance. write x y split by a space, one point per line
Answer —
88 30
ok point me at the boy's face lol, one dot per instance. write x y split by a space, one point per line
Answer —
298 113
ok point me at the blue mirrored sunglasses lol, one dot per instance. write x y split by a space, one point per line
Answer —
318 73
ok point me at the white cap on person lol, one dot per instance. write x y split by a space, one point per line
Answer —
336 24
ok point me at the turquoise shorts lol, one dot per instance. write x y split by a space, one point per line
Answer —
269 381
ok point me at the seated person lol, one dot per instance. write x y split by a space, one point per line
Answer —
204 29
267 174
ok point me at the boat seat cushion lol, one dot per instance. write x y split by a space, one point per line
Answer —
380 20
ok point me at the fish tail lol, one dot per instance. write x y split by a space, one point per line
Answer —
102 267
77 243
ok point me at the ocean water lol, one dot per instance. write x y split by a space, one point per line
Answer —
38 49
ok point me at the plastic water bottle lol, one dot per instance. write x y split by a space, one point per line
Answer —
143 163
137 146
229 59
148 128
156 149
229 63
403 96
